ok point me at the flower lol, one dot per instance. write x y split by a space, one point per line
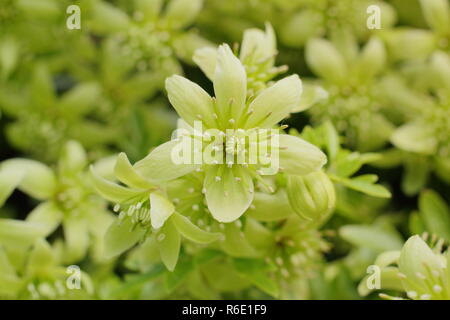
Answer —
355 104
421 273
41 276
67 198
233 116
143 208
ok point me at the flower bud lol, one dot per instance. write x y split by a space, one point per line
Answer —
311 196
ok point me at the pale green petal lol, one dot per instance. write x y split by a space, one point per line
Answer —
206 59
230 85
270 207
235 243
414 137
300 27
372 236
38 179
19 234
372 59
299 157
190 101
417 260
227 197
41 257
149 9
169 241
387 258
121 236
106 18
81 99
408 43
191 231
437 14
113 192
325 60
11 283
275 103
258 45
76 237
160 209
48 214
125 172
73 157
435 213
159 164
9 180
310 96
440 63
181 13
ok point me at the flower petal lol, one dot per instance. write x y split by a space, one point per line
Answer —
230 84
160 210
160 166
299 157
76 237
48 214
191 231
169 241
414 137
229 192
125 172
206 59
275 103
325 60
190 101
73 157
258 45
111 191
121 236
418 260
38 179
181 13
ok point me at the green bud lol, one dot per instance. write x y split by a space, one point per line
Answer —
311 196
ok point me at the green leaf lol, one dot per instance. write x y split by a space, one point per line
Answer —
364 184
256 271
415 175
169 241
331 140
435 213
190 231
371 236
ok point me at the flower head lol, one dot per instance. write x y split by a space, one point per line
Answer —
235 124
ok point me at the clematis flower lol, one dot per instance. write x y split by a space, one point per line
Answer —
233 116
144 212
